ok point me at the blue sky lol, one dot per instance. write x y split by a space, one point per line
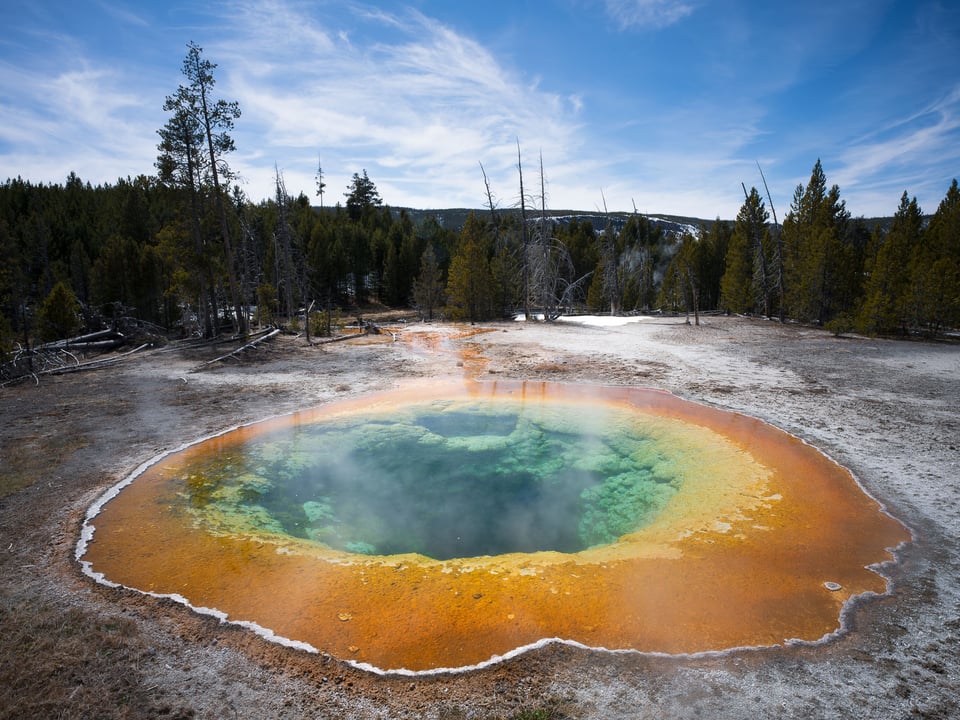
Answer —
664 104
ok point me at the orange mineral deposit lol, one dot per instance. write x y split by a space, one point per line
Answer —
446 526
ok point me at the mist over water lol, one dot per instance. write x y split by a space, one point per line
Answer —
445 479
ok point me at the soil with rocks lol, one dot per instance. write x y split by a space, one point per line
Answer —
71 648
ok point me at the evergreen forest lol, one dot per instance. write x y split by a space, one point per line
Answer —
182 251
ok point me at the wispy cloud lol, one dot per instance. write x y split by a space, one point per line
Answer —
647 13
421 104
123 14
903 155
83 120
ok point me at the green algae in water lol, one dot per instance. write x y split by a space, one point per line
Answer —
444 479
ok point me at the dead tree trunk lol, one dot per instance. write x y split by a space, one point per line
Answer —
760 274
778 260
282 239
525 263
611 263
547 277
494 218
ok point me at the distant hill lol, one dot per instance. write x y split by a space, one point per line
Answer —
454 218
675 225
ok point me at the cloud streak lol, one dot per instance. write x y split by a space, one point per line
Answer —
883 164
647 13
419 107
83 120
666 103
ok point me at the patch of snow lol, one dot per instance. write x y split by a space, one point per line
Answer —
604 320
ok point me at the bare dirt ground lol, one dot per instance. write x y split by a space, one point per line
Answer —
890 411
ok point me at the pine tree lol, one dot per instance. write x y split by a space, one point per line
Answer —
180 165
355 241
362 195
581 243
746 285
506 270
214 118
817 261
428 288
285 270
328 267
470 286
596 299
715 244
12 288
935 269
115 274
735 286
59 315
886 306
391 291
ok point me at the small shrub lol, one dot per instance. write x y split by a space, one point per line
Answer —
267 303
839 325
59 315
322 324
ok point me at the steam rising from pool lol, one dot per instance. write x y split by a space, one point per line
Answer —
442 527
446 479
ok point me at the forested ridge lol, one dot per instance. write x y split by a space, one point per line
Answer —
182 250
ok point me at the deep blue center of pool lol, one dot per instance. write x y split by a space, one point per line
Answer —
447 479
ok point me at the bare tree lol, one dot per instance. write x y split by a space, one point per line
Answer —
551 266
249 263
682 279
612 286
542 262
524 260
547 277
282 238
778 247
492 206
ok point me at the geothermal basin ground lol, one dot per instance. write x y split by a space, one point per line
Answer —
887 410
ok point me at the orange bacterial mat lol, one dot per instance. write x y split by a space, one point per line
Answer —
763 542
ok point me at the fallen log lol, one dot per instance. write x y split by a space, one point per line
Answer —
93 345
83 341
91 365
210 342
337 338
236 353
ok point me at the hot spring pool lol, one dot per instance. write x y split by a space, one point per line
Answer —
447 526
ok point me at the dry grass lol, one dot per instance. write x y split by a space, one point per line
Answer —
65 662
545 709
25 461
